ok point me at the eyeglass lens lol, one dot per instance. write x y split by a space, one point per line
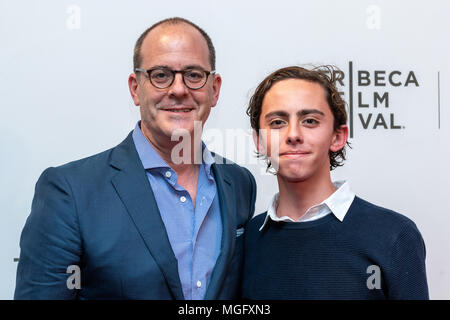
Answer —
163 78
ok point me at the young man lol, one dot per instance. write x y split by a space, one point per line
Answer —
318 240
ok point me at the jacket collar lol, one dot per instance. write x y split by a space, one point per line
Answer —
134 190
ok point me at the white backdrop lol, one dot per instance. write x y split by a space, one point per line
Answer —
64 95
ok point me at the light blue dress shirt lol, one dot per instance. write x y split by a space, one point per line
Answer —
194 234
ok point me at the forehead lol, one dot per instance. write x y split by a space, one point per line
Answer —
176 46
293 95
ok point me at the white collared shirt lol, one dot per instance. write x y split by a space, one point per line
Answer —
338 203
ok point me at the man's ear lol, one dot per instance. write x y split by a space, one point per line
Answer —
256 140
260 139
133 86
217 83
340 137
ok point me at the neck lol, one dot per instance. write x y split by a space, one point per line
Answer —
183 156
297 197
179 156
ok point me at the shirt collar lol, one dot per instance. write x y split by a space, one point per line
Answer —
341 200
338 203
151 159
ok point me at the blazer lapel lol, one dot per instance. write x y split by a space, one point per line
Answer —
134 190
228 212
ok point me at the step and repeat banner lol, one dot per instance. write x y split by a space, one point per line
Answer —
64 67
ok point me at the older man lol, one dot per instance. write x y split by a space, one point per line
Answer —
141 221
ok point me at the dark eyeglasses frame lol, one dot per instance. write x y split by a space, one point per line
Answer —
174 72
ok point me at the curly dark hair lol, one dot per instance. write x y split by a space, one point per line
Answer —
326 76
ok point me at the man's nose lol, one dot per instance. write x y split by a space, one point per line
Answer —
294 134
178 88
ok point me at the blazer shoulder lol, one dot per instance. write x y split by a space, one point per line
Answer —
243 182
90 162
91 173
232 169
99 164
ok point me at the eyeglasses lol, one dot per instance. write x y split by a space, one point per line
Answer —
193 78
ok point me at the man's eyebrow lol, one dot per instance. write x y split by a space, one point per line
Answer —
158 66
194 66
305 112
191 66
300 113
276 114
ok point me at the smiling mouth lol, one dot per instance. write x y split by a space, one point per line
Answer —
179 110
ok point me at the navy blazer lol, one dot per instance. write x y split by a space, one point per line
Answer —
100 214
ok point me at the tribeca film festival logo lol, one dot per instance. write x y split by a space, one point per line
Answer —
373 110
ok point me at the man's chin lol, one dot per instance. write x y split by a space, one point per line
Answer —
175 133
294 179
292 176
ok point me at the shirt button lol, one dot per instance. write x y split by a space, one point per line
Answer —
183 199
199 284
168 174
